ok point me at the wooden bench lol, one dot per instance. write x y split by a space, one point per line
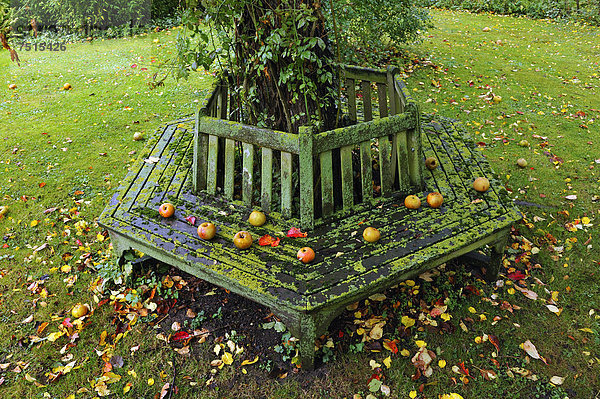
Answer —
208 167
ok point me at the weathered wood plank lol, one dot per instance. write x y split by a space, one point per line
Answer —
360 73
366 170
354 134
347 176
286 184
326 183
211 164
307 187
391 86
228 183
247 173
367 105
385 172
275 140
266 179
351 90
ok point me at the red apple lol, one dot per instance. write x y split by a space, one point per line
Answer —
207 231
67 86
371 234
306 254
12 86
166 210
242 240
435 199
481 184
412 202
257 218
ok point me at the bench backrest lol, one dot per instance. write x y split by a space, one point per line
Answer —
314 177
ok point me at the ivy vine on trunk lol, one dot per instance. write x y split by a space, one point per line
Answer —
277 53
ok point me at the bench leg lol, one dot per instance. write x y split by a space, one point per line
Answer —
491 273
308 335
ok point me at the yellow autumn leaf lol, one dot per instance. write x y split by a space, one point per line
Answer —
446 316
451 396
227 358
34 223
388 362
585 220
407 321
405 352
127 387
410 283
246 362
587 330
150 381
442 363
472 309
55 335
103 338
112 377
412 394
29 378
99 237
71 396
511 291
420 343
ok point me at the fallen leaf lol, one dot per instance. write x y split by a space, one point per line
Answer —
227 358
268 240
556 380
528 293
531 350
247 362
295 232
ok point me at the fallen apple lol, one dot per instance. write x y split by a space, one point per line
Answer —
257 218
371 234
306 255
435 199
67 86
522 162
242 240
431 163
481 184
79 310
412 202
207 231
496 99
166 210
524 143
137 136
12 86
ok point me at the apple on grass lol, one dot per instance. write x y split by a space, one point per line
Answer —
166 210
242 240
306 255
79 310
431 163
207 231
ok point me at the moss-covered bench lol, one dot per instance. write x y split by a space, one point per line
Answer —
346 268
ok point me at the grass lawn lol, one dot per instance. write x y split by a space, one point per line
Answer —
63 153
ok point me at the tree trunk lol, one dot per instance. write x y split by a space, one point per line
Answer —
272 95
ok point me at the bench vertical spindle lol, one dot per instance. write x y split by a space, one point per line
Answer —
248 173
200 157
367 106
307 193
326 183
286 184
351 88
228 182
211 173
347 176
266 179
366 170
